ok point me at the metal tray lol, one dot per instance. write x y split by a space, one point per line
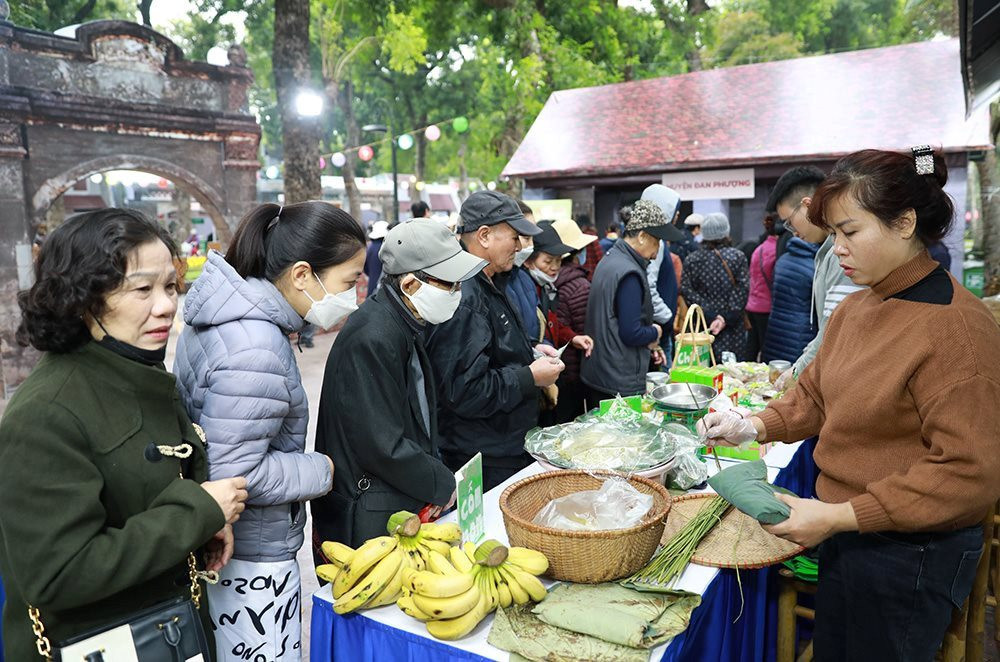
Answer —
678 396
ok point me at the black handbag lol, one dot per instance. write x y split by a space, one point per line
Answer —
170 631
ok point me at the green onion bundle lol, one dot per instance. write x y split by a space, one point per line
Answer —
668 564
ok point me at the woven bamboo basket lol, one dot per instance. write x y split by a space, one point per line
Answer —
586 557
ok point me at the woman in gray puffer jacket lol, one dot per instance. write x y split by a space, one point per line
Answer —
239 380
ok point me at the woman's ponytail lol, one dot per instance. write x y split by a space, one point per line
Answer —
247 252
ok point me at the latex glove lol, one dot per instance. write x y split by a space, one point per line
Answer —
786 380
726 428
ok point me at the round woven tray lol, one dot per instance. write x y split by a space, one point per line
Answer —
585 557
738 541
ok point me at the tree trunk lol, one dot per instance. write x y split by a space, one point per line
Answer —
292 73
989 190
144 6
345 99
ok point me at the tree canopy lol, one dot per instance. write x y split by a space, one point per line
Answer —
412 63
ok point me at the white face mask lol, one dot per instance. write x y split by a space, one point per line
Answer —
522 255
542 278
332 308
434 305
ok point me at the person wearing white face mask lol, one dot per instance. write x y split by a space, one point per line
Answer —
238 379
386 450
544 265
520 287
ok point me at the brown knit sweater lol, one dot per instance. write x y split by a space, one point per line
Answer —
905 397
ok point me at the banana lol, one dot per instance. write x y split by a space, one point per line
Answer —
470 551
528 582
528 560
372 584
392 589
440 564
456 628
518 594
432 585
506 599
446 531
451 607
338 553
438 546
327 572
489 588
406 604
415 560
459 559
367 556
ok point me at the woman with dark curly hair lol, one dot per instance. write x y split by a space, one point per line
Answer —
96 524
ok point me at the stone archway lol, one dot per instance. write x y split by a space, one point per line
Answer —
116 95
49 190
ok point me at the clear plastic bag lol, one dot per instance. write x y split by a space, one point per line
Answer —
616 505
621 440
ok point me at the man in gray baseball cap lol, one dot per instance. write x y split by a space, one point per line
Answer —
488 376
378 407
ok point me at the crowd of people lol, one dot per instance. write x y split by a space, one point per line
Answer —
113 470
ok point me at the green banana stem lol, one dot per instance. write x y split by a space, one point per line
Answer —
491 553
403 523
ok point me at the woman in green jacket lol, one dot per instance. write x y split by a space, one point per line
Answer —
97 524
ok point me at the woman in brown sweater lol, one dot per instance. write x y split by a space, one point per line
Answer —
904 395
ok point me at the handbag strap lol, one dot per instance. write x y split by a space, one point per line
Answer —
725 265
181 451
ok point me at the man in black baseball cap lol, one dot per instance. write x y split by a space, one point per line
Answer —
488 376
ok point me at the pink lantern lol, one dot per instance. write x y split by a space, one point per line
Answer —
432 132
322 163
366 153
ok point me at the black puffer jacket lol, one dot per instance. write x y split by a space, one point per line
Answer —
487 397
372 426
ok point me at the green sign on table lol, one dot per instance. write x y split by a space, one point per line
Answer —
470 499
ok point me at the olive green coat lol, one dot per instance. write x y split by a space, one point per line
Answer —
90 529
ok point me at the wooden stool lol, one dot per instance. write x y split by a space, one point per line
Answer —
964 638
789 609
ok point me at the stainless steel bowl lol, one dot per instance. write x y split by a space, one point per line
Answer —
679 396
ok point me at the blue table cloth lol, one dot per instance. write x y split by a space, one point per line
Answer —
715 633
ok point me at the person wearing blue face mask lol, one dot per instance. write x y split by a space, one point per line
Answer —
386 451
238 379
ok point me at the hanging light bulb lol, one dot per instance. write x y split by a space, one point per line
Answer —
405 141
338 160
432 133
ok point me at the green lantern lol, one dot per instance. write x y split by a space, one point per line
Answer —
460 124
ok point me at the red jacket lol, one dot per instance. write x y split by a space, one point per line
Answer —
573 286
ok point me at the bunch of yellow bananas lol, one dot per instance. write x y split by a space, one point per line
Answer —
417 540
458 592
372 575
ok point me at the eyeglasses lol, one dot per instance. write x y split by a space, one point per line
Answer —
451 288
787 221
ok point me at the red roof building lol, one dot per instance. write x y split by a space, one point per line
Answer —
603 145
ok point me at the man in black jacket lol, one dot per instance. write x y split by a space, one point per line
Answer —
377 412
487 376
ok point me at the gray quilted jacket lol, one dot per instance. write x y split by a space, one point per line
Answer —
238 378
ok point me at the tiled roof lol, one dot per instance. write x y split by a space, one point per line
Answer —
793 110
